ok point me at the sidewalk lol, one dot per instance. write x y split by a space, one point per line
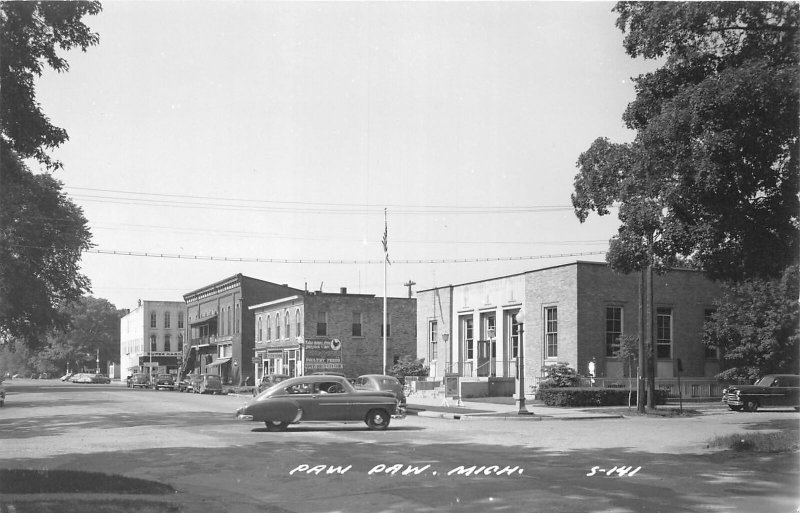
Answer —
496 408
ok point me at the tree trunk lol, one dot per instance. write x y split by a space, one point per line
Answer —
650 343
640 388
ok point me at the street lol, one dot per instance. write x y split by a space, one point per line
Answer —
214 463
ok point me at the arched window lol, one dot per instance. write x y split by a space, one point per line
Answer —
297 329
167 344
258 330
288 326
269 327
278 326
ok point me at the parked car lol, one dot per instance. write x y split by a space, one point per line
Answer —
206 384
319 398
140 380
381 382
165 381
76 377
184 384
773 390
267 381
91 378
66 376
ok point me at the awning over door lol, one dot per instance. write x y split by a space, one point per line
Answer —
221 361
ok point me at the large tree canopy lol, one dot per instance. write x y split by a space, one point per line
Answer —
42 233
31 34
712 175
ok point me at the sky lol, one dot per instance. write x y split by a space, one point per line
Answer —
281 140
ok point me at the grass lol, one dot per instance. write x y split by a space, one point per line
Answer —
24 481
780 441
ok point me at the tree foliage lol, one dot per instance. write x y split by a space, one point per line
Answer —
31 34
755 326
560 375
42 233
408 366
712 174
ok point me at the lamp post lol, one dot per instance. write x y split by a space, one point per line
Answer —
445 338
520 317
97 368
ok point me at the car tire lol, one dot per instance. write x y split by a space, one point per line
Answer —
750 405
274 426
377 420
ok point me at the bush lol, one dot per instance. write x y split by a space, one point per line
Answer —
560 375
408 366
592 396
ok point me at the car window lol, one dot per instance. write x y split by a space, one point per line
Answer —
299 388
791 381
332 387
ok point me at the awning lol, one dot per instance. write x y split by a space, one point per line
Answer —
221 361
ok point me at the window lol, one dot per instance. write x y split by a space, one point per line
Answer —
258 329
388 325
357 324
297 328
513 334
269 327
166 320
322 324
469 337
663 332
222 321
433 327
278 326
166 344
551 331
287 325
180 320
153 347
180 342
228 323
613 330
237 318
711 352
152 319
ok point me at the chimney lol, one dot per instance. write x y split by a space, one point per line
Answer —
343 290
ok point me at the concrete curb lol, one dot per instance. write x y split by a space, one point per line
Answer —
510 416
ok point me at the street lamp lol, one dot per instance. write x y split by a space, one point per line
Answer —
520 317
445 338
97 369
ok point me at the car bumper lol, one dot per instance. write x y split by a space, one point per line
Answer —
732 401
242 416
400 414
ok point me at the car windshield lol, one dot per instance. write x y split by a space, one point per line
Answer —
765 381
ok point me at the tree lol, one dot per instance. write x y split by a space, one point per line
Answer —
408 366
628 353
42 233
712 174
31 33
755 326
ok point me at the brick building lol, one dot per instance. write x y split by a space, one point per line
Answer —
220 324
574 313
316 331
151 338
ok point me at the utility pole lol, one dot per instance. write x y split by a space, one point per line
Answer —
409 284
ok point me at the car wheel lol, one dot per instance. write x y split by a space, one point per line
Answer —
735 408
377 419
750 405
276 425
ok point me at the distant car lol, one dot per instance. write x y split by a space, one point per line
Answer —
91 378
773 390
267 381
381 382
206 384
319 398
77 377
66 376
184 384
140 380
164 381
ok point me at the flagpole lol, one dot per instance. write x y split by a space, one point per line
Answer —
385 260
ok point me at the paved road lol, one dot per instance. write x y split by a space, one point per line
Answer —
420 464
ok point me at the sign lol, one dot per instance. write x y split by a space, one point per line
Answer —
322 354
255 359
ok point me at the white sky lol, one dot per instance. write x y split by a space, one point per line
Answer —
306 120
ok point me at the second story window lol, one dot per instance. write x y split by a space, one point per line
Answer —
278 326
167 344
322 324
152 319
269 327
287 323
357 324
613 330
433 328
167 320
180 320
258 330
297 327
388 325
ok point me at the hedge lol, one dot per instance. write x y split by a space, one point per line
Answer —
592 396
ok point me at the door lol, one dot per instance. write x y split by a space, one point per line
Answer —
483 358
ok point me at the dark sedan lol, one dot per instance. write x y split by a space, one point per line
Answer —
319 398
773 390
267 381
381 382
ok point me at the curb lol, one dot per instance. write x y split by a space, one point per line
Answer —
504 416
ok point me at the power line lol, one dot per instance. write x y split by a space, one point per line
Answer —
334 261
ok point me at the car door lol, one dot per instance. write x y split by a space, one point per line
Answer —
332 401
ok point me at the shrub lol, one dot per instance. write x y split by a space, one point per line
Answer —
781 441
559 375
408 366
592 396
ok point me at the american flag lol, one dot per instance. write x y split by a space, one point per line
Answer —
386 237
